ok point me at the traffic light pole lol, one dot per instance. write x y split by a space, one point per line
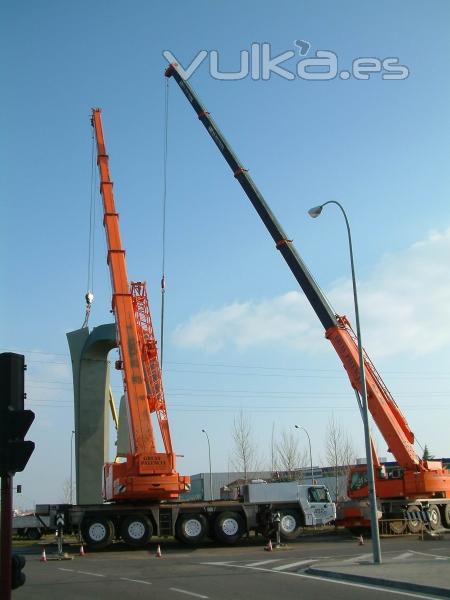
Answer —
6 537
15 452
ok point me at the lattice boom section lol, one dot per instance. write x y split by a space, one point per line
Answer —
149 352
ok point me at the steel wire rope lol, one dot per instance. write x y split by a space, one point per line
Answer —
164 206
89 297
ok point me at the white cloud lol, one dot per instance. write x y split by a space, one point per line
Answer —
404 304
251 324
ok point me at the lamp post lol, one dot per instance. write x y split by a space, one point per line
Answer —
210 470
310 452
315 212
71 466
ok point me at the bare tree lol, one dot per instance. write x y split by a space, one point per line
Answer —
67 496
244 456
289 456
340 454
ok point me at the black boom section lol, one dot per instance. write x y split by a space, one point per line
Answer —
300 271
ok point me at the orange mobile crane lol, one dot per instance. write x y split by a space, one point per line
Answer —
146 474
142 494
417 483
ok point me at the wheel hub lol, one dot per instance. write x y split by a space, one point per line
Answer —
136 530
288 523
97 532
230 527
192 528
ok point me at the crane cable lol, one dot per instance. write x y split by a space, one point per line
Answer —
164 202
89 297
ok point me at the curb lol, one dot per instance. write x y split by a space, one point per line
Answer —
380 582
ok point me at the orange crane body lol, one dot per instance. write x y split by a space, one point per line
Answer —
419 478
146 474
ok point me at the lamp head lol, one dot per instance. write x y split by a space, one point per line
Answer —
315 211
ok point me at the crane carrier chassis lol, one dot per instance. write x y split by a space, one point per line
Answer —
296 507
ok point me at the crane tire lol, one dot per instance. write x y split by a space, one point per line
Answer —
397 526
33 533
434 517
191 528
97 532
290 525
414 525
229 527
136 530
445 514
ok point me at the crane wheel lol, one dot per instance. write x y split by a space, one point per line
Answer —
445 514
434 517
97 532
397 526
414 525
136 530
33 533
290 525
191 528
229 527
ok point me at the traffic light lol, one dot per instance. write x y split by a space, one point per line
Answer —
14 420
17 577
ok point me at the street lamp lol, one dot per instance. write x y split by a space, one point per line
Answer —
310 452
71 466
315 212
210 470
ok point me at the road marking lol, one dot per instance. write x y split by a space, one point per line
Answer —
263 562
188 593
402 556
375 588
136 580
89 573
433 555
295 564
227 563
69 570
357 558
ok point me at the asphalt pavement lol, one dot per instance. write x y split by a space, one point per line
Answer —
309 568
425 571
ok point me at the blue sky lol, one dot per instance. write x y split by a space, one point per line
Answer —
237 332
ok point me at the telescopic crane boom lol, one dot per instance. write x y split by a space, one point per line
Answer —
421 477
147 473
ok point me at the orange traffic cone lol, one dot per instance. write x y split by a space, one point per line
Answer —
43 556
82 552
360 541
269 546
158 552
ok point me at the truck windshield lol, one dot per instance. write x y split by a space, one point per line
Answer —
318 494
359 480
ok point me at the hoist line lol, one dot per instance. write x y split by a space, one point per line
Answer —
164 203
91 240
94 191
89 269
